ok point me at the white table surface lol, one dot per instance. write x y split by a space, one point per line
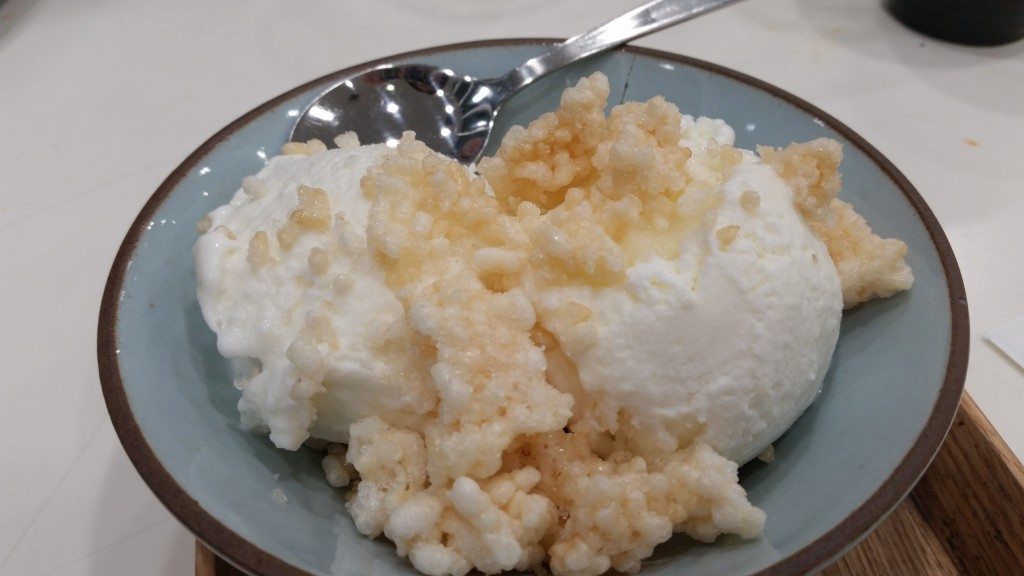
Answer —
100 100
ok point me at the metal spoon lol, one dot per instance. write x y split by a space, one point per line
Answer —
452 113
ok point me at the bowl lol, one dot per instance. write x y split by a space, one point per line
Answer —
888 400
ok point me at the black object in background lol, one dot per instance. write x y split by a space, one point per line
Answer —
978 22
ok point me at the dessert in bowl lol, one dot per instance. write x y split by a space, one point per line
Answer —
549 295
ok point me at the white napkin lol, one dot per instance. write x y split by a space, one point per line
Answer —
1010 339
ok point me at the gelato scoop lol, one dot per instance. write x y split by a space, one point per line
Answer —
727 343
285 278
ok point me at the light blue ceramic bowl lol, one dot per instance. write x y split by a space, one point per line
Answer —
889 398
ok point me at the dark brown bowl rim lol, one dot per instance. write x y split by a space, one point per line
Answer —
255 560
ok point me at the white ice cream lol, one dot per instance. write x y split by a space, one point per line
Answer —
728 344
352 319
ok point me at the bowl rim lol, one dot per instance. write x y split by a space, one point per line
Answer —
253 559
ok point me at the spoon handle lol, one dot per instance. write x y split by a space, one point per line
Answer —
638 22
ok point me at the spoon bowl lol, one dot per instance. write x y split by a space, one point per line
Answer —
380 105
